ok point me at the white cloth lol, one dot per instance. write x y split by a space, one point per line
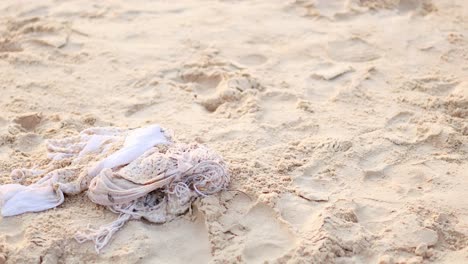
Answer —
17 199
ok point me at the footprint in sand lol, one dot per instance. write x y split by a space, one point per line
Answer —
343 9
253 60
266 238
411 179
169 238
375 215
394 227
400 118
203 73
352 50
204 81
296 210
329 71
312 188
215 83
405 129
28 121
421 7
407 233
432 85
255 233
38 32
321 8
324 79
414 133
279 108
376 160
229 90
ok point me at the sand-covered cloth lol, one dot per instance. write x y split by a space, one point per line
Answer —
139 173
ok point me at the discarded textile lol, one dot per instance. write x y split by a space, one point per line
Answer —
138 173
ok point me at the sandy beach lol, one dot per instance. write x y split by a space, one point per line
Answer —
344 124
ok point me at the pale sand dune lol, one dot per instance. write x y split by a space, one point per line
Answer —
345 124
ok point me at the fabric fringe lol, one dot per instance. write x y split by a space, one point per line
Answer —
103 234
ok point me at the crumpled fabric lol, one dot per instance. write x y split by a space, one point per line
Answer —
158 186
49 192
138 173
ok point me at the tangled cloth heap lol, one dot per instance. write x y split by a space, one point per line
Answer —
138 173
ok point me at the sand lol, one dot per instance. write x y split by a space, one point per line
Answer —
344 124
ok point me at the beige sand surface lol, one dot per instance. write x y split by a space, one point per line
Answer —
344 122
